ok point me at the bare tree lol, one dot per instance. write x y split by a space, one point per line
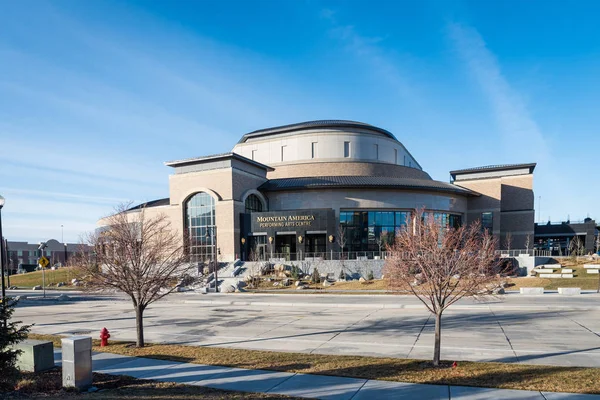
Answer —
342 239
576 248
441 265
383 240
139 255
508 241
527 243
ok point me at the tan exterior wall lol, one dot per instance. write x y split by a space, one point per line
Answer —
228 187
510 199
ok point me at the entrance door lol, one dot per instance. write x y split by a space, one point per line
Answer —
285 246
316 244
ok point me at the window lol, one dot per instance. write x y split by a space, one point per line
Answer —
404 161
395 156
282 152
200 226
376 151
367 230
314 150
487 221
410 164
253 204
346 149
254 154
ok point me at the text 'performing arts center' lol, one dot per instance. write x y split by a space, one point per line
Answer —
325 188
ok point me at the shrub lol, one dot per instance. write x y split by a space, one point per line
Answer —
316 277
295 273
370 276
342 276
10 334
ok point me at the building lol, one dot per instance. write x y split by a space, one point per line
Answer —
28 253
558 237
319 188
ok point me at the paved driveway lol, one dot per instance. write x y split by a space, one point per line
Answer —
547 329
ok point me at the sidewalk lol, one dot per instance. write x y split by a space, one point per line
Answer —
301 385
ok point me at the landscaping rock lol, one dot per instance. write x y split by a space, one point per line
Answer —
362 280
286 282
228 289
181 289
241 284
326 283
301 287
77 283
74 280
60 284
298 283
275 283
499 290
38 287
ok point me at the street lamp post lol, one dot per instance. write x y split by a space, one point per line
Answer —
2 201
213 235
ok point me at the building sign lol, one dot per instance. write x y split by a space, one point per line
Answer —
285 221
318 219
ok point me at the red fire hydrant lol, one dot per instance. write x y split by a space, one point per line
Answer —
104 335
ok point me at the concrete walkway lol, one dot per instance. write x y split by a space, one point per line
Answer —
300 385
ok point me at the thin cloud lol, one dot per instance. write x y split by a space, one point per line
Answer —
518 128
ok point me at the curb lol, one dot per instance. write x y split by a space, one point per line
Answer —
381 306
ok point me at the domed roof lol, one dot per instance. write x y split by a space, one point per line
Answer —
314 125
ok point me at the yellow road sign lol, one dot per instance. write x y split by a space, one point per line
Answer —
43 261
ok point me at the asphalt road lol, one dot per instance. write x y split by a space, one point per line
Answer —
548 329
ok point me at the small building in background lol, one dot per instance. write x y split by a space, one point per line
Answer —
27 253
558 237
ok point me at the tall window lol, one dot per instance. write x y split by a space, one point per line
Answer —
367 230
200 226
346 149
376 151
487 221
314 150
282 152
395 156
253 204
254 154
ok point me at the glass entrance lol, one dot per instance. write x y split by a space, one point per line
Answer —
285 247
316 244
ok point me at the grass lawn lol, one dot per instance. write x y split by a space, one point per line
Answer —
376 284
482 374
31 279
581 279
48 385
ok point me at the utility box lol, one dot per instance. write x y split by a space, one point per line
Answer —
77 362
36 355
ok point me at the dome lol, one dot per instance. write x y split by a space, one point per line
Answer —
324 141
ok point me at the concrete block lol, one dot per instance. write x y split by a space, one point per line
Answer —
592 271
567 271
551 276
569 291
36 355
532 290
566 275
77 362
592 266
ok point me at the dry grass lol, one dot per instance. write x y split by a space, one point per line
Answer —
482 374
48 385
32 279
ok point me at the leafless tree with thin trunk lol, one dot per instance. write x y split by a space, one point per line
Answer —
508 241
342 239
576 248
527 242
139 255
441 265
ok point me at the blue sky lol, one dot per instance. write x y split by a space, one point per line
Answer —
96 95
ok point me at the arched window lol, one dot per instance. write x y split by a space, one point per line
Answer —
200 226
253 204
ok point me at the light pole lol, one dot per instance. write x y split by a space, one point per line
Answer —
2 201
213 236
41 248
